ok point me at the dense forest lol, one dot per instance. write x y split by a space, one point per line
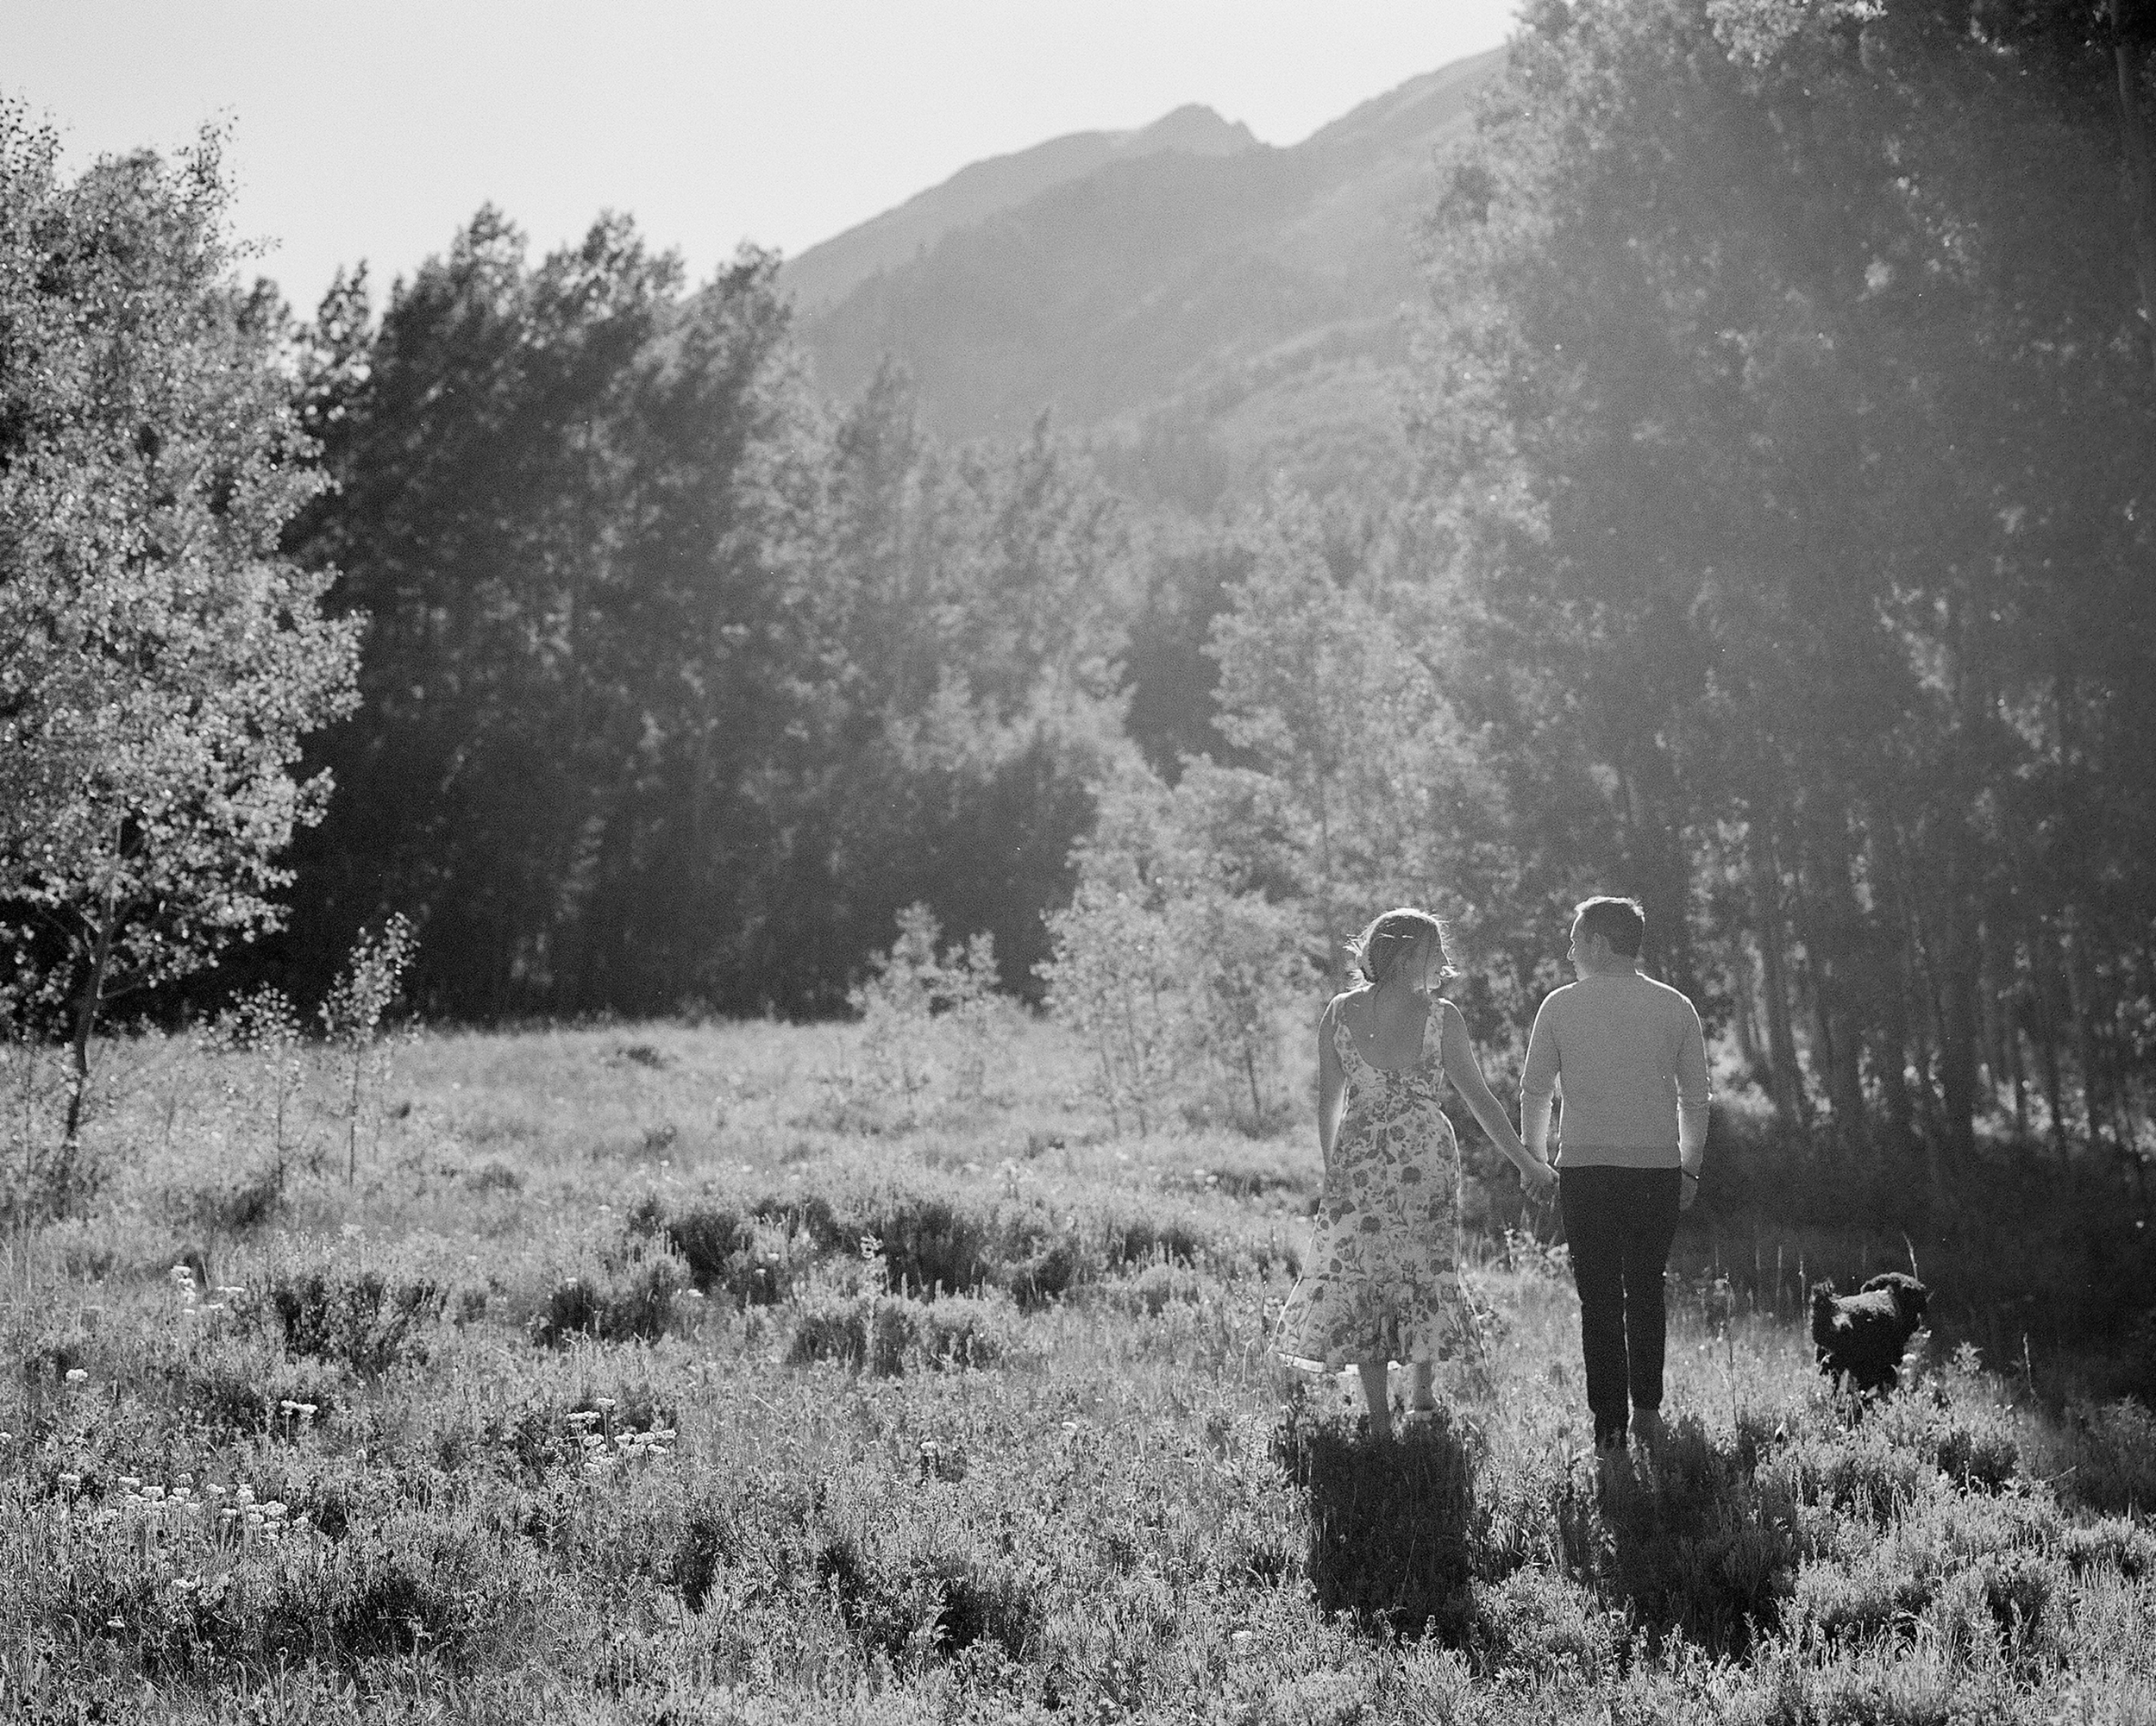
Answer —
1784 403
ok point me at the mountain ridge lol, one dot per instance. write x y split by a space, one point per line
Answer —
1242 298
827 271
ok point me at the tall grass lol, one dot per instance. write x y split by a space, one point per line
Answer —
554 1415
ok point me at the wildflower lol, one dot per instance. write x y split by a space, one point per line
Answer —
605 1403
116 1624
214 1490
7 1438
306 1411
274 1508
153 1493
593 1441
68 1483
132 1482
76 1375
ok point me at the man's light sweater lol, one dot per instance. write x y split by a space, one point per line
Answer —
1627 1054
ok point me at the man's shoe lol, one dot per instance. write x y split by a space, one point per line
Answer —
1648 1424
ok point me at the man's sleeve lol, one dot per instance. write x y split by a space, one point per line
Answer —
1692 1091
1538 1078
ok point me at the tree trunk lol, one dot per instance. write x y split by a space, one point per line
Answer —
1833 942
1888 981
1958 967
2081 992
1744 1008
1787 1079
2140 172
2044 964
87 1005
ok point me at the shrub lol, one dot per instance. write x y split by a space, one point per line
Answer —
1847 1472
965 1330
2113 1544
1880 1592
411 1582
829 1328
1981 1453
930 1242
905 1606
358 1314
932 1235
634 1304
1043 1275
1156 1286
235 1391
915 1007
2105 1453
1547 1625
889 1333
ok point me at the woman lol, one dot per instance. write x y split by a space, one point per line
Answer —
1384 1283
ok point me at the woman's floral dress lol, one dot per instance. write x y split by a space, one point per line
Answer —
1382 1281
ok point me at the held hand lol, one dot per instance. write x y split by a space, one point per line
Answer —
1687 1188
1538 1181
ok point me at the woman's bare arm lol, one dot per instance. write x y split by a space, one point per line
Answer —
1332 1084
1466 1073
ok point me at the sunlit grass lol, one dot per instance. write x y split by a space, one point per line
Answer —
567 1457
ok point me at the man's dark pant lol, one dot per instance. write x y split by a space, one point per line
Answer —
1618 1223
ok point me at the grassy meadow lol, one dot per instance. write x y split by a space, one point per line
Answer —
760 1372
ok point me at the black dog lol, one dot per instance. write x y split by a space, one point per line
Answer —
1861 1336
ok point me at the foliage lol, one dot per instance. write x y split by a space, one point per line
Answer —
332 1305
164 657
1782 360
677 689
351 1014
914 1003
1180 984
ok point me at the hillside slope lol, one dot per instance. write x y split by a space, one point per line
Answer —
827 272
1247 300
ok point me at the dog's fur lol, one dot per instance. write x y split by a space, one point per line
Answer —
1861 1337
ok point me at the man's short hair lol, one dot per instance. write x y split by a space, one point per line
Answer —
1621 921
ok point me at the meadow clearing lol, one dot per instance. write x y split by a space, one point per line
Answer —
673 1373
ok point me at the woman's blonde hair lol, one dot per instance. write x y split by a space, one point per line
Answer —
1379 948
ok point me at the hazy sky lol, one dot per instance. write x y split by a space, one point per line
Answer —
374 130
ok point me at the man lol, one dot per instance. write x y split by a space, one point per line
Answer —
1627 1054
